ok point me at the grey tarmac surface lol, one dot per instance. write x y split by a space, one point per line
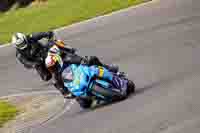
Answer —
157 44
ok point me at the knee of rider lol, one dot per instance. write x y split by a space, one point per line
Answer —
108 75
94 70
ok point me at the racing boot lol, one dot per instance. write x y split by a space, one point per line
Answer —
93 60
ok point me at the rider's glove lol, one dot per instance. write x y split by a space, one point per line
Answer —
50 34
73 50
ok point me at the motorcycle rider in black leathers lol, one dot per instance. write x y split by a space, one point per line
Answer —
32 53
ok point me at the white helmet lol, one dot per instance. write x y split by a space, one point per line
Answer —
19 41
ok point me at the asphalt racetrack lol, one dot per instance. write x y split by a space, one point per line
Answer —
157 44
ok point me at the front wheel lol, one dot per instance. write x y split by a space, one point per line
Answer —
84 103
130 87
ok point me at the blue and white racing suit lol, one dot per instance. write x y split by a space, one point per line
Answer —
76 77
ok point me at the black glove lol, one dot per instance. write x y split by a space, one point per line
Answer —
73 50
50 34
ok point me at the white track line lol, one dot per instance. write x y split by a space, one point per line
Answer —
107 15
52 118
4 45
67 108
29 93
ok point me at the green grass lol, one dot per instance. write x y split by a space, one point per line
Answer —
7 112
56 13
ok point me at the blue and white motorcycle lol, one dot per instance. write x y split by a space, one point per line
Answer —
90 83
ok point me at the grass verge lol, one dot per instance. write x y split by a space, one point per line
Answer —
7 112
56 13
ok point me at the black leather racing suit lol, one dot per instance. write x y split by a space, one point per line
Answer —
33 56
36 52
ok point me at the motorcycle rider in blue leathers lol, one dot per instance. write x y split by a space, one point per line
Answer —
70 74
76 80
